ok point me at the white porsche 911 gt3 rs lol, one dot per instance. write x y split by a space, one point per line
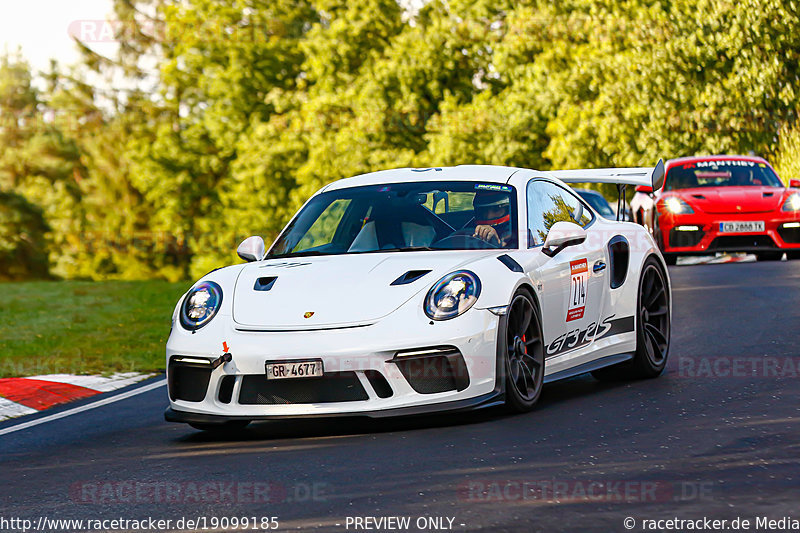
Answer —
415 290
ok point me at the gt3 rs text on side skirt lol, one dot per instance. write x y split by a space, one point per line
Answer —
416 290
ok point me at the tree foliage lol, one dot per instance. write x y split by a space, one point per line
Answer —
233 113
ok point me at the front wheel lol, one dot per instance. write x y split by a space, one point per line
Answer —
652 329
523 354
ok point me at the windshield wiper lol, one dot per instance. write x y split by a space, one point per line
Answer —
316 252
409 249
297 254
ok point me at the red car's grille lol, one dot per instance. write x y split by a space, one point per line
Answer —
790 235
682 239
742 243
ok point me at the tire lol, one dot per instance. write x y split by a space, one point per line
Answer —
669 259
769 256
653 327
657 236
792 255
224 427
522 352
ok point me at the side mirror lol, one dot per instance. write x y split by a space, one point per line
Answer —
644 189
561 235
795 184
252 249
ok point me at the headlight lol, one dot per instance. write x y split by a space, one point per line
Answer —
200 305
792 203
452 295
676 206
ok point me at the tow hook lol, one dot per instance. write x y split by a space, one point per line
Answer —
221 360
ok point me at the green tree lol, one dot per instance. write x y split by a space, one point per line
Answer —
39 161
787 156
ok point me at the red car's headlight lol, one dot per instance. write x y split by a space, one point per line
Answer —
792 203
676 206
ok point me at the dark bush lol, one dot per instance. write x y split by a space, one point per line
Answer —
23 243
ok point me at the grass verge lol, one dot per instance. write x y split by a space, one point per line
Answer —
85 327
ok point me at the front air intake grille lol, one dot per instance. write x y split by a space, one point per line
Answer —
683 239
741 243
379 384
226 389
790 235
433 370
332 387
187 381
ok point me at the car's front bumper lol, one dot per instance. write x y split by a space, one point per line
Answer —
699 233
492 399
239 390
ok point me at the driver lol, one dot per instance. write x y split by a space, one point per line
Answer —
492 217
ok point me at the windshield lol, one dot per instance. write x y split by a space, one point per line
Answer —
721 173
403 217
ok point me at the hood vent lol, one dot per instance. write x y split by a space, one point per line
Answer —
409 277
264 284
508 261
699 196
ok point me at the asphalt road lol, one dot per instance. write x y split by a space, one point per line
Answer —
717 436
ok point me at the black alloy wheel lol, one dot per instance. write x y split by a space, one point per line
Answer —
524 354
653 328
654 319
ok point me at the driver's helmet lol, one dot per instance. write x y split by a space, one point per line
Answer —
492 208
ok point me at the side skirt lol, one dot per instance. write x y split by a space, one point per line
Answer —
597 364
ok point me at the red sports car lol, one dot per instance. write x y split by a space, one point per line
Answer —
723 204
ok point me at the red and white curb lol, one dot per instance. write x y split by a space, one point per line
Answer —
715 259
24 396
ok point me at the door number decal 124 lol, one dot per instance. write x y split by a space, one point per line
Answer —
579 279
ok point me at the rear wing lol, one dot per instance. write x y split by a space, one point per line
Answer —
646 176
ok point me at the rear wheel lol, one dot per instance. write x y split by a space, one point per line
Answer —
769 256
652 329
524 354
231 426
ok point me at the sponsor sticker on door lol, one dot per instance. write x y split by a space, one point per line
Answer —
579 278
